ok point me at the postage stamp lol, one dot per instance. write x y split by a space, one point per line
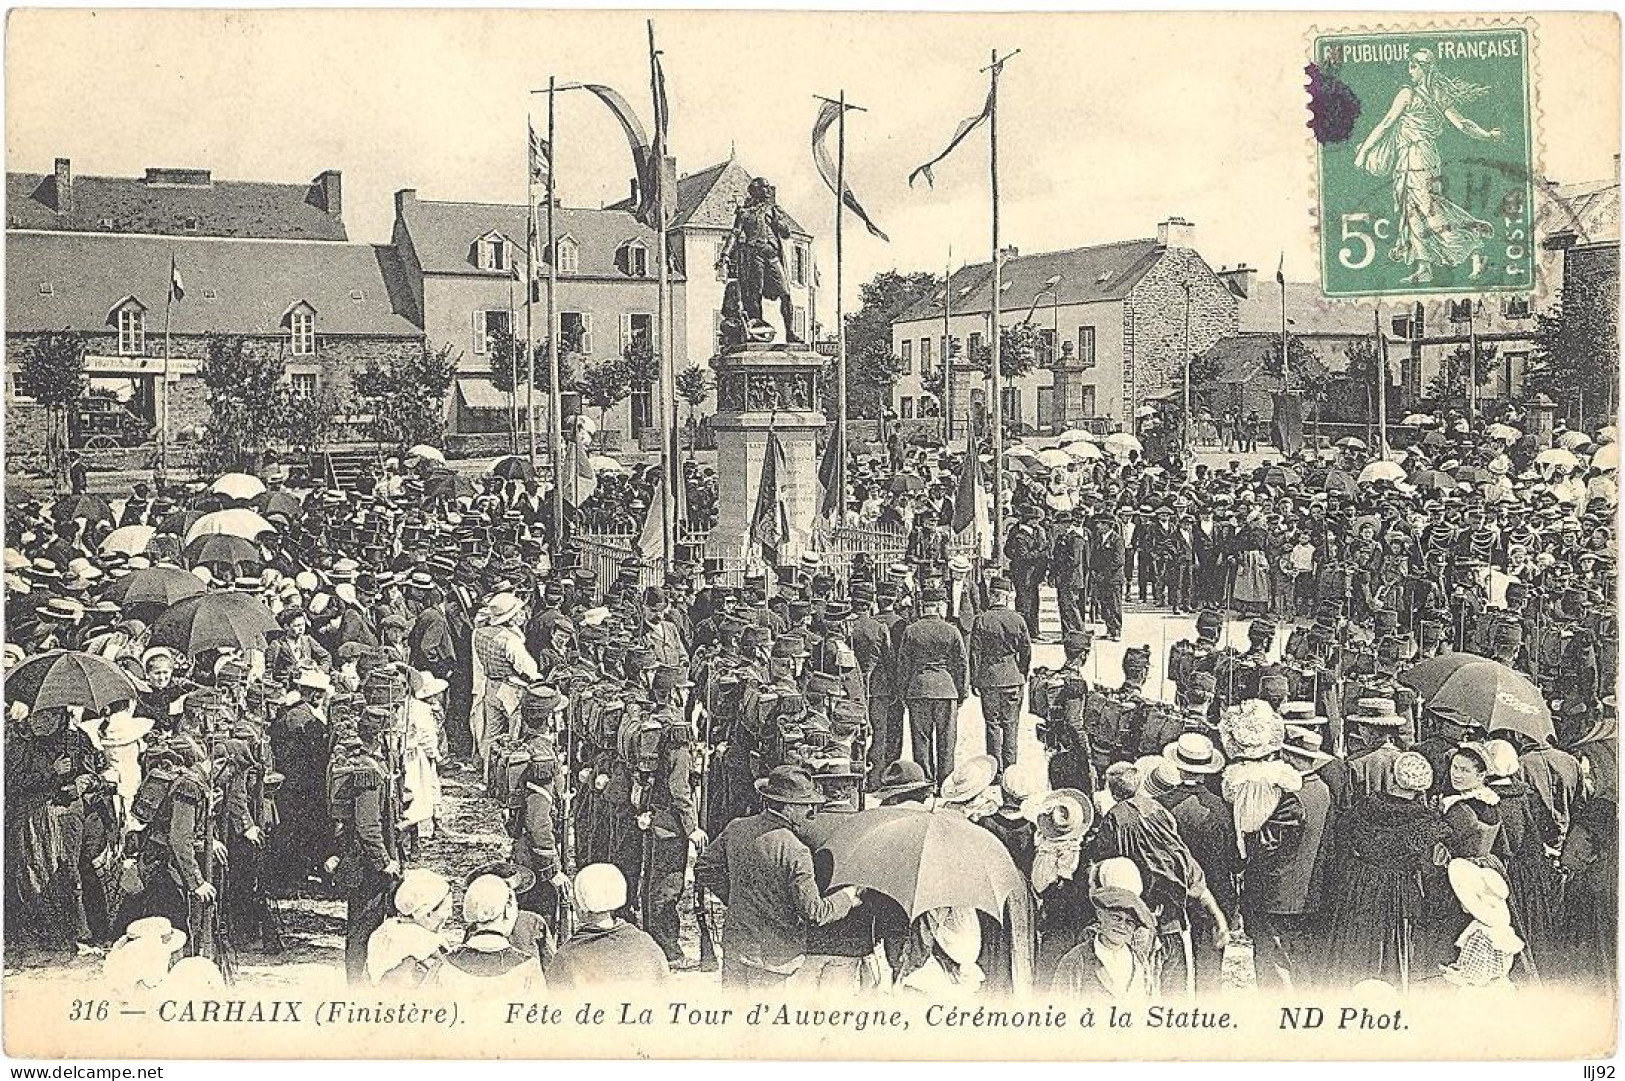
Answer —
1426 161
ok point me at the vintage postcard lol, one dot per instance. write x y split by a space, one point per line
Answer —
810 535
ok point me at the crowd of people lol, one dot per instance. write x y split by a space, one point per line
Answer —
1342 797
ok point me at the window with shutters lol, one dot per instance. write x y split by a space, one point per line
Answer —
493 252
635 258
1086 347
636 327
569 253
798 269
925 355
575 333
489 325
905 408
799 321
1012 403
907 356
302 331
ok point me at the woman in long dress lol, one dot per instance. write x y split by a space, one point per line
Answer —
1405 145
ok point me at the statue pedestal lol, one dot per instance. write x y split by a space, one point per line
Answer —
763 388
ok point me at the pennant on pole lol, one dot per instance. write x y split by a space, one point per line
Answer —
769 524
827 116
1280 270
965 128
830 501
652 541
644 161
541 158
177 288
583 478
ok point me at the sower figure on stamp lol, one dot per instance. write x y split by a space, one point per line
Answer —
756 245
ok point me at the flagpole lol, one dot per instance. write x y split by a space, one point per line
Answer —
513 373
530 290
163 409
668 385
840 316
555 403
1382 384
947 350
996 331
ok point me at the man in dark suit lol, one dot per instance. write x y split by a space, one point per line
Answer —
1000 655
1069 570
1027 548
965 594
931 672
761 868
1105 557
875 648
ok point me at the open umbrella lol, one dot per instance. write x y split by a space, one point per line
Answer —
907 482
1434 439
222 548
1472 474
214 621
444 484
92 508
1557 456
1418 418
1083 452
1607 457
1053 458
923 861
1573 440
1121 444
238 486
1019 450
1339 481
1281 476
63 677
1382 471
1352 443
237 522
176 523
153 587
1073 435
1478 687
1504 432
423 450
513 467
603 463
284 503
1607 434
130 540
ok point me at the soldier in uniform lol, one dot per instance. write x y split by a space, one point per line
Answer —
367 865
1027 548
1066 701
1000 657
671 820
1186 658
173 805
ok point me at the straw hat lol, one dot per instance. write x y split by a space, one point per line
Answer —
1064 815
969 779
1482 892
501 609
1194 752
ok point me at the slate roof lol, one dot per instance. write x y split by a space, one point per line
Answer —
223 208
443 235
708 198
1091 274
254 283
1587 212
1307 312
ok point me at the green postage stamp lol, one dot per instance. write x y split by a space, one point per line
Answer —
1426 161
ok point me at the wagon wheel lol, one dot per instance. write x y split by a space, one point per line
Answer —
100 442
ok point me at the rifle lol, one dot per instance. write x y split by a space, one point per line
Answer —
209 933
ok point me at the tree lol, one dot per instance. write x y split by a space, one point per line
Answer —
603 383
1302 371
252 405
507 354
1018 351
407 396
694 386
52 372
1449 386
1576 355
871 368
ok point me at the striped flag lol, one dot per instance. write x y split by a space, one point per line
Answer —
965 128
827 116
1280 270
770 524
541 157
177 288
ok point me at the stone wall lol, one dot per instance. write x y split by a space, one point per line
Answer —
1155 342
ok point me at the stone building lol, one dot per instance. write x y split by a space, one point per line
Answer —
1115 322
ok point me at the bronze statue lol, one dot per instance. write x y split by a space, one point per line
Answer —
756 246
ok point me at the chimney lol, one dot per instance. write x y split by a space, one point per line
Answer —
329 186
1176 232
64 186
1240 280
1009 252
404 198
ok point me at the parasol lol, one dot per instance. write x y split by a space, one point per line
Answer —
1607 434
1053 458
1573 440
1487 690
1074 435
223 548
423 450
1121 444
923 860
62 677
1339 481
238 486
1432 478
91 508
1472 474
1419 418
1557 456
1434 439
214 621
1382 471
1607 457
176 523
1282 477
907 482
1350 442
130 540
237 522
513 467
283 503
1083 452
1020 450
1506 433
153 587
603 463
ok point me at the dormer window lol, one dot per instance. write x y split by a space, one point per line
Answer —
300 320
130 317
493 252
569 255
635 259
